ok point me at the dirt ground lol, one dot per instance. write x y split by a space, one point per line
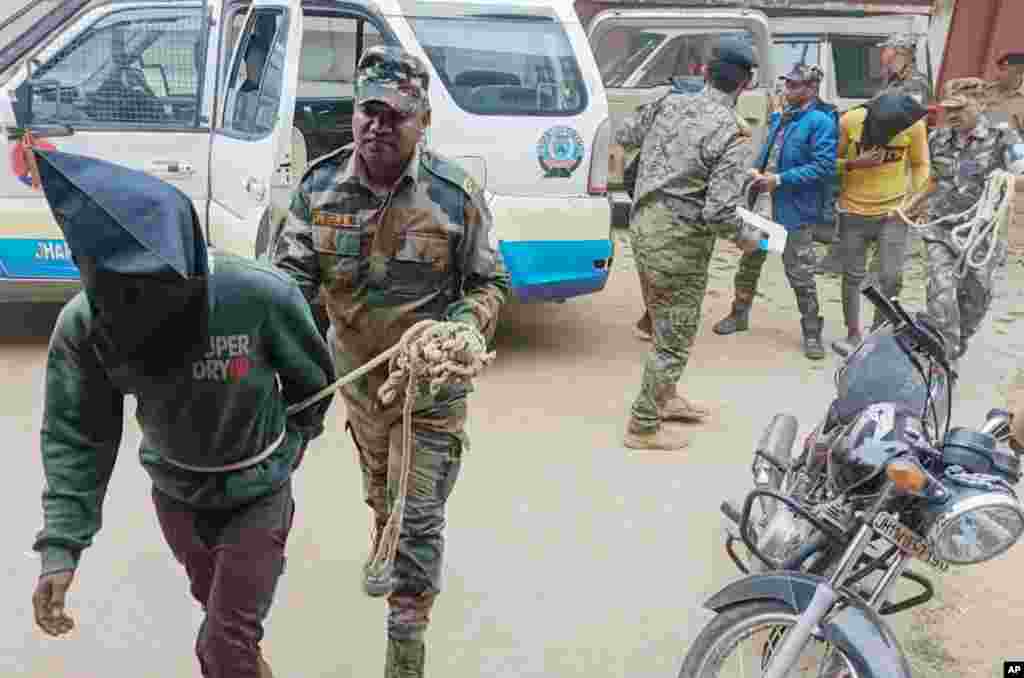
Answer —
976 620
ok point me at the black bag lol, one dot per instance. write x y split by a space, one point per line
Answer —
887 116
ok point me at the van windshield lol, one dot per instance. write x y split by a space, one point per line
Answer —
622 51
517 65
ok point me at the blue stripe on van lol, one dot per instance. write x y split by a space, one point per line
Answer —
36 258
549 270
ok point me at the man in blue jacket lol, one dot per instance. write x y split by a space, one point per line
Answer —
794 167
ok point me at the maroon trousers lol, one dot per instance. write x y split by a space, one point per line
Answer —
233 559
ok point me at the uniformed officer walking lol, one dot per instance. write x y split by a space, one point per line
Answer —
393 234
964 153
694 158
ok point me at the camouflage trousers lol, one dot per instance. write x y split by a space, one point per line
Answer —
672 259
439 441
798 260
958 305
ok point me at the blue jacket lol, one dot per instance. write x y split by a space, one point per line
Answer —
806 167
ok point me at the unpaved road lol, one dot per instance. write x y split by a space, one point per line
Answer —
568 554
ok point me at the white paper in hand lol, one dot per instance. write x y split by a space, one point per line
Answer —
776 232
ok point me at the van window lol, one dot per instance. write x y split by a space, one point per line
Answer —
518 65
132 67
254 90
663 55
790 53
331 47
858 66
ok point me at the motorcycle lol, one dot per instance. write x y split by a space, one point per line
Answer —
880 482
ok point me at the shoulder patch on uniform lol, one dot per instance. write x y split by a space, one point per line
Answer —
450 171
340 155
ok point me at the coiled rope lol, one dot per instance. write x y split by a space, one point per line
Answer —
429 355
977 229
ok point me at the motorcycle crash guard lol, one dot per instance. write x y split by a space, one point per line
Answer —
857 630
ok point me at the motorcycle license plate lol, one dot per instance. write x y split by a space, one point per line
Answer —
907 540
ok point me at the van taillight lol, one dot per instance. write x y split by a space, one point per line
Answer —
597 184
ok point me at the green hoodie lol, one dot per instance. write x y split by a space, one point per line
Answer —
264 352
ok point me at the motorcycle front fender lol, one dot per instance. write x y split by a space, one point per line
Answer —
857 630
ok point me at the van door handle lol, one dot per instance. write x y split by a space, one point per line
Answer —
172 168
255 186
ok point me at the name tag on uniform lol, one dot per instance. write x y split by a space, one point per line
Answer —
326 218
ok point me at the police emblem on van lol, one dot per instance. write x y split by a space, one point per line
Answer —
560 152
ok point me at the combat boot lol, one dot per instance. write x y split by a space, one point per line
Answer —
813 348
405 658
678 408
661 438
738 319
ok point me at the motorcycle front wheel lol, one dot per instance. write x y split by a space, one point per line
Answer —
738 643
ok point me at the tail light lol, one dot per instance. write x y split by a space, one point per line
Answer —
597 183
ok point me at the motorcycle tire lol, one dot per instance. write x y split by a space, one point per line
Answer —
736 623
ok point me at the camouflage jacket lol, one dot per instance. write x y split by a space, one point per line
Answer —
1005 106
426 250
914 84
695 151
959 169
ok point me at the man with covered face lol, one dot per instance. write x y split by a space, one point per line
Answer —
964 153
393 233
1004 96
213 348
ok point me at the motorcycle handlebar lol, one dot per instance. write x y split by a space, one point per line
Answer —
897 315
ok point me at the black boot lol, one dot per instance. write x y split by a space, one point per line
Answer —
738 320
813 347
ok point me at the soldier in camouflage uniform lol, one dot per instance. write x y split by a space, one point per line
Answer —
963 155
899 67
798 158
1004 97
393 233
694 157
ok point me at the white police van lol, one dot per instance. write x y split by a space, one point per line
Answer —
517 99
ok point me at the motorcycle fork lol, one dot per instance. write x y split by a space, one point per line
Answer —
826 594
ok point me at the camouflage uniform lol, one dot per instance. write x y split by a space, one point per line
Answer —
425 250
960 169
909 81
694 158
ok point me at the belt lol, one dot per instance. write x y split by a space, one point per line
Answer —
238 465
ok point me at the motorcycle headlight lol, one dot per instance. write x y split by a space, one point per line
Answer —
977 527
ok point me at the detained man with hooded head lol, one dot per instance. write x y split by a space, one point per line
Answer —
214 348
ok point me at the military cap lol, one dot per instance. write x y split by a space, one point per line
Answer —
732 50
804 73
907 41
394 77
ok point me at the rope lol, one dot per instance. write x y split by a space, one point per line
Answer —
977 229
429 355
